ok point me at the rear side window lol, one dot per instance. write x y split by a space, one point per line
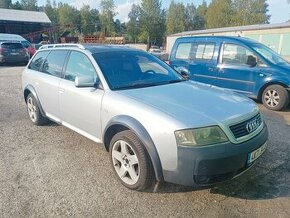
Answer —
203 51
37 61
54 63
183 51
79 65
12 45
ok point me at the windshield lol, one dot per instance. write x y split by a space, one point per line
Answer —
269 54
134 69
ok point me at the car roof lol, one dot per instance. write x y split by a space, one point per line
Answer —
93 48
108 48
237 38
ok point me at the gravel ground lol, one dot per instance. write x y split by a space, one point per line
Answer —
52 171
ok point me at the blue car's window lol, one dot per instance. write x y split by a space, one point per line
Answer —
235 54
203 51
132 69
183 51
269 54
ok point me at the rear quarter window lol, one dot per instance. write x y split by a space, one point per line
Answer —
38 60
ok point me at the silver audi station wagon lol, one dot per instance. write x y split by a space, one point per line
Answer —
156 124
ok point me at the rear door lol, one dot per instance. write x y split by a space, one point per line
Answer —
47 82
80 108
203 66
199 57
233 71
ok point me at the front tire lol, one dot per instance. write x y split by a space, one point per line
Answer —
130 161
275 97
34 111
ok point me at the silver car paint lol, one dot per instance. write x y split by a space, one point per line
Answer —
160 109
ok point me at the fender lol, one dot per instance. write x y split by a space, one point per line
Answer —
143 135
30 89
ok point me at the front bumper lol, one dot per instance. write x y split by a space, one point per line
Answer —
204 166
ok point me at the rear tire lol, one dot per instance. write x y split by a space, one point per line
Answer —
34 111
131 162
275 97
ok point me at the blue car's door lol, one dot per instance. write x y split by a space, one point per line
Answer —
200 58
234 71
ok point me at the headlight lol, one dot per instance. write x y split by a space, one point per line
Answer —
201 136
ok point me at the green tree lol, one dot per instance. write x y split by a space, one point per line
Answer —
17 5
190 17
176 18
249 12
134 24
30 5
89 19
5 3
107 17
152 22
51 12
219 14
69 16
200 16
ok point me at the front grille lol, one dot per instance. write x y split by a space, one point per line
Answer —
242 129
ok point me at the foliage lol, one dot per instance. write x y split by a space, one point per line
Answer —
176 18
30 5
219 14
152 22
107 17
5 3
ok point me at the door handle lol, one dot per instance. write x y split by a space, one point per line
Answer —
210 69
221 70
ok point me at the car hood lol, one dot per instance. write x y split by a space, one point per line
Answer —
194 104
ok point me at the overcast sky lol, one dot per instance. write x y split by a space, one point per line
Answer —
279 9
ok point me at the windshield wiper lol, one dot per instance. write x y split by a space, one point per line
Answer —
143 85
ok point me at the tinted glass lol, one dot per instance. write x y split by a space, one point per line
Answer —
12 45
236 54
132 69
54 63
183 51
79 65
37 61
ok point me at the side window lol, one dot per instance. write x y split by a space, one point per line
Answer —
236 54
54 63
78 65
204 51
37 61
183 51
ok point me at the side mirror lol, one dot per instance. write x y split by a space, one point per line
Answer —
251 61
85 81
183 71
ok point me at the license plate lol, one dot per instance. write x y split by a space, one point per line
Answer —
14 53
256 154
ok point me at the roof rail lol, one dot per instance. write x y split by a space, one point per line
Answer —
62 45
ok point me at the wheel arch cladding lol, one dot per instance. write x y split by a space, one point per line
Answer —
269 84
123 122
29 89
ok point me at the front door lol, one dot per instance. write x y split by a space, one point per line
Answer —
80 108
233 70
